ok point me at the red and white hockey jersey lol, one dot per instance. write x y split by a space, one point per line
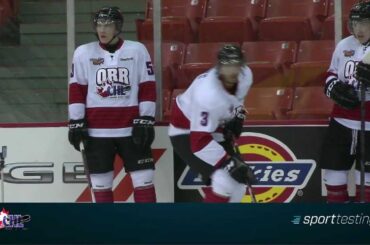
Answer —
348 53
111 89
205 107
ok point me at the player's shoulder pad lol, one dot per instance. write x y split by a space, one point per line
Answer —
207 94
247 76
134 45
85 48
347 43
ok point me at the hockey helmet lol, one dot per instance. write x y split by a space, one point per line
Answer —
108 15
230 54
359 12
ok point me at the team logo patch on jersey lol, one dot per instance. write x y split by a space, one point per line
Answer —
279 173
112 82
348 53
98 61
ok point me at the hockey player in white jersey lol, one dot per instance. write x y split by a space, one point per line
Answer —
209 109
112 107
342 145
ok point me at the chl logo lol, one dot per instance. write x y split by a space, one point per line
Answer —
279 173
112 82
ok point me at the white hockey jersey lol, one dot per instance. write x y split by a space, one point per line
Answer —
348 53
111 89
205 107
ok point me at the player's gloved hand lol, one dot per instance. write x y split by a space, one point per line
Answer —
239 170
143 132
363 73
343 94
234 127
77 132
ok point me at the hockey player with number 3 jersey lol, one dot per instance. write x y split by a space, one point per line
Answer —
214 102
342 145
112 106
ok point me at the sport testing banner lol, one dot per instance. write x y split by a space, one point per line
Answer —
41 166
284 157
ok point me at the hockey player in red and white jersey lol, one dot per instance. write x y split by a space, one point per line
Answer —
342 145
112 107
209 109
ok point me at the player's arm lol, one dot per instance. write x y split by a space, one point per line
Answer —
143 126
234 127
341 93
204 122
78 86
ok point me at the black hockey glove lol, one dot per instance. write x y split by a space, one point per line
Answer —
239 170
143 132
77 132
363 73
343 94
234 127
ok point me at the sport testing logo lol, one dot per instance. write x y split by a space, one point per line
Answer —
279 173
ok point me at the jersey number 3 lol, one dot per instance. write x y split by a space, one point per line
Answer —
204 116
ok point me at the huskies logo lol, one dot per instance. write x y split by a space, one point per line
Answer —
279 173
112 82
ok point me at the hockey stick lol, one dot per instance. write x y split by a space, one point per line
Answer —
87 173
249 186
2 165
362 143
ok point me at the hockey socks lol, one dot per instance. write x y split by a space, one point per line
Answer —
145 194
358 193
103 196
337 193
212 197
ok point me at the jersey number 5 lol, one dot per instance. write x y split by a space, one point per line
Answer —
204 120
149 68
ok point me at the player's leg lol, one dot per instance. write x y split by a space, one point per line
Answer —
100 154
140 166
223 186
367 170
336 161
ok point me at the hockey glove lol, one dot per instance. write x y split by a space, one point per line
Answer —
239 170
234 127
363 73
143 132
343 94
77 132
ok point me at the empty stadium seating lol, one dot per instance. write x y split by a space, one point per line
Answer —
6 11
310 103
292 20
270 61
166 96
236 22
180 20
199 57
268 102
346 6
328 25
313 60
172 56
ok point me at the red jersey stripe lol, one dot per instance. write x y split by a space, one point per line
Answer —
111 117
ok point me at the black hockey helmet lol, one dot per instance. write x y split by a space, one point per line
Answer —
360 11
230 54
107 15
